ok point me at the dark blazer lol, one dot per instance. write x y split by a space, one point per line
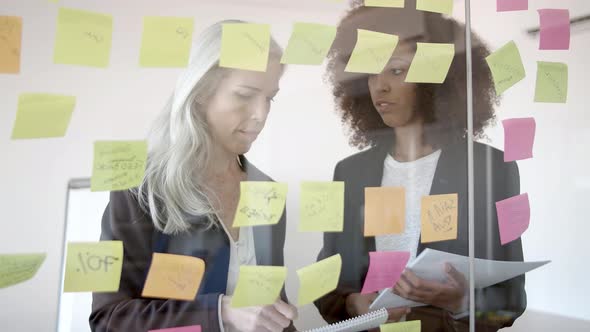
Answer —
126 310
495 180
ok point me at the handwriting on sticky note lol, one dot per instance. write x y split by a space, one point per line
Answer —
11 28
192 328
321 207
409 326
166 41
506 67
118 165
519 138
511 5
436 6
431 63
174 277
555 29
93 266
385 210
261 203
258 285
385 3
83 38
552 82
17 268
371 52
318 279
245 46
439 218
514 215
42 115
385 269
309 43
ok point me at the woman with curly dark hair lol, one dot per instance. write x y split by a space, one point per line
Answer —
416 138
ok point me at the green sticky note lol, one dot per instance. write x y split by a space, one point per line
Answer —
431 63
83 38
118 165
371 52
309 43
319 279
321 207
385 3
166 41
552 82
17 268
261 203
41 115
506 67
436 6
93 266
258 285
245 46
409 326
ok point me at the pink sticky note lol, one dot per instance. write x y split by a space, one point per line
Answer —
192 328
512 5
385 268
555 29
514 215
519 137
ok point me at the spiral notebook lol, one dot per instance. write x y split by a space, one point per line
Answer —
367 321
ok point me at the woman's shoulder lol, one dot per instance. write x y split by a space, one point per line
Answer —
363 157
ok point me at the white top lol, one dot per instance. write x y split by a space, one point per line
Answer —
416 177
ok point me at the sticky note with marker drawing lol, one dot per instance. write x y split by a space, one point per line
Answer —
321 207
118 165
309 43
552 82
175 277
385 3
409 326
511 5
435 6
17 268
245 46
506 67
192 328
166 41
439 218
554 29
385 269
258 285
318 279
83 38
42 115
93 266
11 28
371 52
431 63
514 215
519 138
385 210
261 203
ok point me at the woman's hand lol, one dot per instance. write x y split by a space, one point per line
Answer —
448 295
270 318
358 304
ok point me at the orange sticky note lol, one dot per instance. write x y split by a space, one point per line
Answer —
11 29
385 210
175 277
439 217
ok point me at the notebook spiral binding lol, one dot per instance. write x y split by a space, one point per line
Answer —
367 321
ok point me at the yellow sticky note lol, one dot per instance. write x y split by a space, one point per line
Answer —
385 3
439 217
321 207
319 279
385 210
118 165
371 52
175 277
245 46
552 82
261 203
93 266
409 326
506 67
309 43
166 41
258 285
17 268
431 63
83 38
11 29
436 6
42 115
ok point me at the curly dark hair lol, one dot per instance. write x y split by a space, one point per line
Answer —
443 107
